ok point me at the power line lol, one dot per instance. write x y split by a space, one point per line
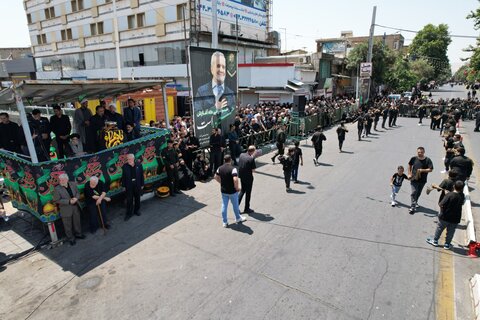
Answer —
413 31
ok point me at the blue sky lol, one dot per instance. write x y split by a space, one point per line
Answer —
307 20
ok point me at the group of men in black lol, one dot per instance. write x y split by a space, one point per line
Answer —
87 128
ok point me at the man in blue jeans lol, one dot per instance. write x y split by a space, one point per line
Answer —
227 176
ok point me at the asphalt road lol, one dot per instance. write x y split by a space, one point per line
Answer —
332 249
447 92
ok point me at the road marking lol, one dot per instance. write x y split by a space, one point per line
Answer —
445 291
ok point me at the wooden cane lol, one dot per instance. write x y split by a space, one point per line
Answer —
101 219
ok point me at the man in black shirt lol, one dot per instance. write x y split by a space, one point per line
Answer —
246 168
132 181
418 169
477 119
10 138
317 141
281 139
61 127
227 176
216 149
462 165
41 126
385 116
450 215
170 160
97 123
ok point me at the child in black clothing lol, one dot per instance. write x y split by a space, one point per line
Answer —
297 161
396 183
450 215
287 163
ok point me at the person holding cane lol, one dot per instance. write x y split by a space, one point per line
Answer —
96 199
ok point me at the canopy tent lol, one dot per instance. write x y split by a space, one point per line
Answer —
41 92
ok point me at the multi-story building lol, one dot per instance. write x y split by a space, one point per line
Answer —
340 47
77 38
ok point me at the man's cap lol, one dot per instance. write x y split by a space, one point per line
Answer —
112 105
83 100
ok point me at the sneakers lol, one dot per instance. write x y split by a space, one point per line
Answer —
315 161
242 219
433 242
417 206
296 181
411 210
225 225
393 203
447 246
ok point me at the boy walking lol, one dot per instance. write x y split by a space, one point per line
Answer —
450 215
287 163
297 160
396 183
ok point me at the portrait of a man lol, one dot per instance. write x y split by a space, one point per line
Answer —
214 101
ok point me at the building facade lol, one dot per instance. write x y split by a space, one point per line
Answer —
78 38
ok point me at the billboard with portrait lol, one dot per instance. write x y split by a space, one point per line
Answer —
214 90
250 12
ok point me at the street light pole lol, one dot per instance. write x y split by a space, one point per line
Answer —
117 40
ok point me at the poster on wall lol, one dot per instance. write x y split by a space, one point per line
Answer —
31 186
250 12
214 90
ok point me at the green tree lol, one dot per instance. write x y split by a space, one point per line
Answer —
461 74
400 77
422 70
431 43
382 59
473 70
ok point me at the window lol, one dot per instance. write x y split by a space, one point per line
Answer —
29 18
41 38
77 5
50 13
136 21
66 34
131 22
96 28
140 20
181 9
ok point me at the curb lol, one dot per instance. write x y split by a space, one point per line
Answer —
475 286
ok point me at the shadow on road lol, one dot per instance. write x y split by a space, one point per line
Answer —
240 227
96 249
261 216
296 191
269 175
323 164
348 152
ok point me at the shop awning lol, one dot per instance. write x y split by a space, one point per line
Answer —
41 92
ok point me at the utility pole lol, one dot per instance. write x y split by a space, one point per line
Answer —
117 40
214 25
236 33
370 47
187 58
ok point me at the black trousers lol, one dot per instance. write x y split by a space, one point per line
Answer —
215 160
340 144
390 121
247 185
172 177
384 120
318 152
61 147
360 130
133 195
287 175
281 150
94 216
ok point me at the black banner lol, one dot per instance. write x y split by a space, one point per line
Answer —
31 185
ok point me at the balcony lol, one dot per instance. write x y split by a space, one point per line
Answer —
69 44
42 48
100 39
51 22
